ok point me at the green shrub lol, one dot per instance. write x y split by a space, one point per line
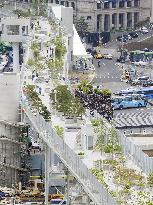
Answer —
150 179
64 101
81 153
95 123
36 102
111 162
85 86
103 91
59 130
109 148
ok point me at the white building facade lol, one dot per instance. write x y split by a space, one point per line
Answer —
105 15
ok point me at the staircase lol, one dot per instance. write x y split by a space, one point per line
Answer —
95 190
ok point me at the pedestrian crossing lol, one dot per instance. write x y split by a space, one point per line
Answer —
122 120
107 76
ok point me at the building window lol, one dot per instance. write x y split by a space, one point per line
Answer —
113 4
136 3
24 30
12 30
98 5
106 5
62 3
88 17
67 4
121 4
129 3
73 5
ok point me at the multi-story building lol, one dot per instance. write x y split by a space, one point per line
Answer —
105 15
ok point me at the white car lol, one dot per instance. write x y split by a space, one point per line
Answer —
144 30
108 56
142 63
136 63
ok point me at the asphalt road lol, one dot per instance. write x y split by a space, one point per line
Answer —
105 73
108 76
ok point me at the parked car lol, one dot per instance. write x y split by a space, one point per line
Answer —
107 56
127 36
133 34
151 26
140 80
139 63
122 38
144 30
136 63
142 63
148 83
146 50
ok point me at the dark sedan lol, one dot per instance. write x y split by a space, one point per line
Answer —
122 38
148 83
133 34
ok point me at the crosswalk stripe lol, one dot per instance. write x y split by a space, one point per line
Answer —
133 119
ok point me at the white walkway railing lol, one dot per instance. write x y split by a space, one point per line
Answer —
98 194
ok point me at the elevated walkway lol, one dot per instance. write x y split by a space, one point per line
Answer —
97 193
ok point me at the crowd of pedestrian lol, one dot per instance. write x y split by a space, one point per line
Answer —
96 102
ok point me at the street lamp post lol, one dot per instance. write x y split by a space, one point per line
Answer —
55 92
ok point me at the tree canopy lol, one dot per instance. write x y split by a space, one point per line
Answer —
65 102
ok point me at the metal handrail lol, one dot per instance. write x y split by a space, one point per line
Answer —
98 194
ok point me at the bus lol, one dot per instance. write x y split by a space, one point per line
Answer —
141 56
131 101
144 92
137 55
148 56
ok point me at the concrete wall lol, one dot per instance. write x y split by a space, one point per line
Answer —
67 24
15 22
9 96
67 19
